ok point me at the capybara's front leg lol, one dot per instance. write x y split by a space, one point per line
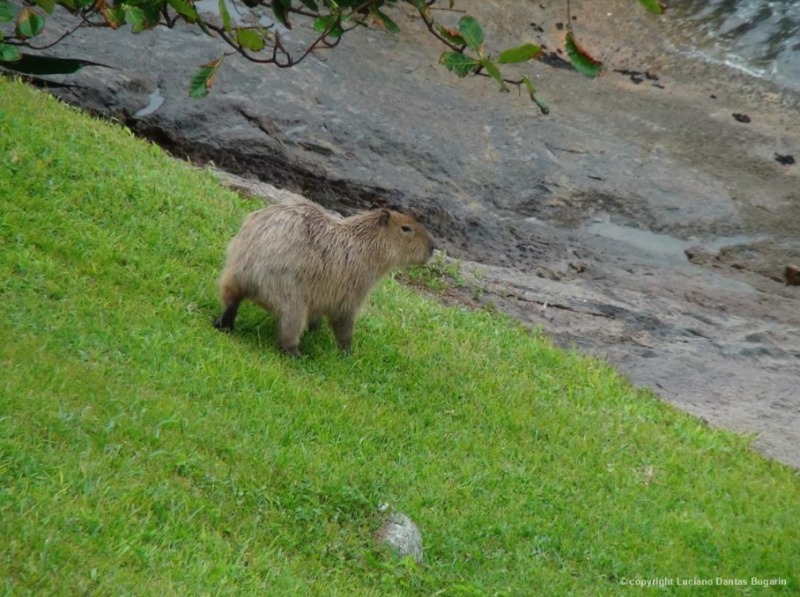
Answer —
343 330
290 328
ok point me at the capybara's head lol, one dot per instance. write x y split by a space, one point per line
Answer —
412 243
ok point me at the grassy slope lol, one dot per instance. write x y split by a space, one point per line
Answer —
142 452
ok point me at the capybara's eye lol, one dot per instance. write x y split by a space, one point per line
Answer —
406 228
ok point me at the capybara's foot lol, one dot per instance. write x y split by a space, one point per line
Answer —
222 325
292 351
225 322
343 331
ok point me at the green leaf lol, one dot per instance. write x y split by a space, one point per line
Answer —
29 24
492 69
203 79
204 28
279 10
226 16
46 5
113 16
142 14
421 6
654 6
48 65
454 37
250 39
583 62
311 5
458 63
520 54
384 20
472 33
329 23
6 12
8 54
352 19
136 17
184 9
543 105
152 12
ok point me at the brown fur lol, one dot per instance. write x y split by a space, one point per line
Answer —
300 264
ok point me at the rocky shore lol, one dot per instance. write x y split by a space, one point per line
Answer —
640 221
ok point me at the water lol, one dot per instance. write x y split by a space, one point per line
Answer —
664 244
761 37
155 101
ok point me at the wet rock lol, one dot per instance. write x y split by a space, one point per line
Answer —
554 60
637 77
793 275
699 255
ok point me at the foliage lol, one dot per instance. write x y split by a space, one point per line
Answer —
583 62
250 37
204 78
653 6
144 453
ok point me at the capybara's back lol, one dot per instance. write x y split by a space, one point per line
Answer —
300 264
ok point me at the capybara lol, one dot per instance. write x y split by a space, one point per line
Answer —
302 265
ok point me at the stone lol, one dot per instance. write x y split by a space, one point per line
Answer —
401 534
793 275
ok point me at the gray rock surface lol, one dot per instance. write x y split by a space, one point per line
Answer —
588 211
401 534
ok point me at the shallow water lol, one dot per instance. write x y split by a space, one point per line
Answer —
155 101
664 244
761 37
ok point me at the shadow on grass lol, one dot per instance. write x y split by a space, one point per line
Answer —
258 330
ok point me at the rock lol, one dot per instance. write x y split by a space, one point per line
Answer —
267 192
401 534
793 275
699 255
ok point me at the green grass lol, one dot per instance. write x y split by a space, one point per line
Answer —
144 453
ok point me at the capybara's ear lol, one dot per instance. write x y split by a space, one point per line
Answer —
385 215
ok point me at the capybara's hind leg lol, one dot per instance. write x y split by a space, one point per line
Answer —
343 330
226 321
231 299
291 324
